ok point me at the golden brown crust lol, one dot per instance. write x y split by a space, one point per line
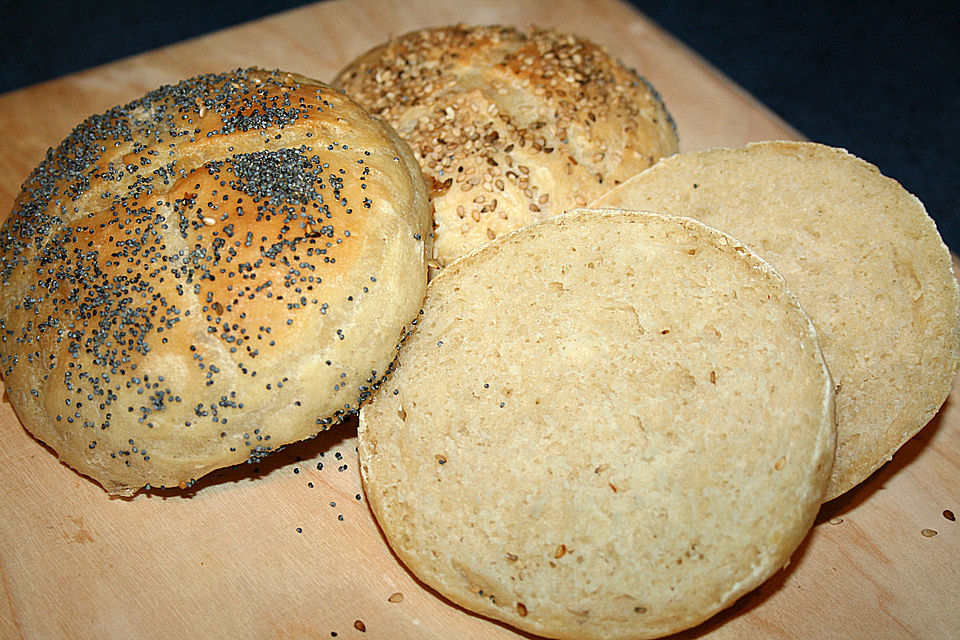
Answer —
208 273
511 126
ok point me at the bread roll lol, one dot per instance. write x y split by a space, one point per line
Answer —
510 126
201 276
605 425
864 259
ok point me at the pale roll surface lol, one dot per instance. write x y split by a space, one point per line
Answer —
864 259
605 425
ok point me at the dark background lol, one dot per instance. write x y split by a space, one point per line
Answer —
881 79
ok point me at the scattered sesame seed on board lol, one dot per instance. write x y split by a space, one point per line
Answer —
928 533
395 597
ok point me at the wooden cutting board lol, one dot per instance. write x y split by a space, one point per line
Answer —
288 548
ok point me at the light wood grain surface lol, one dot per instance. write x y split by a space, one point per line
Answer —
262 552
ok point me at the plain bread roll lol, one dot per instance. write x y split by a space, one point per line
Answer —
605 425
864 259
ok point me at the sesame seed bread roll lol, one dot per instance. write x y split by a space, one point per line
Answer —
212 271
864 259
605 425
510 126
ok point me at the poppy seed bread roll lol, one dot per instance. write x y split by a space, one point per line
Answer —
510 126
864 259
607 425
205 274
